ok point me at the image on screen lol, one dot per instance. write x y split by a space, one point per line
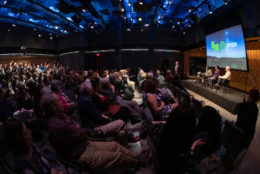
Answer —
227 48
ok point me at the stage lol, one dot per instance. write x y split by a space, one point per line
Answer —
227 99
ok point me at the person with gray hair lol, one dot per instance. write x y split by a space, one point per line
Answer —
227 76
70 140
92 118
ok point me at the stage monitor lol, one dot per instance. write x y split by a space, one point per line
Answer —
227 48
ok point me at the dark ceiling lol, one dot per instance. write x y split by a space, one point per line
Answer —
62 17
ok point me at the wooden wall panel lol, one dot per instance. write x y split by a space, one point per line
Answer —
240 80
27 59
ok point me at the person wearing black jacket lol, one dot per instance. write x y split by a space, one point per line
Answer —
92 118
247 115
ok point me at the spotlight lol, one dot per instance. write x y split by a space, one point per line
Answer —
51 38
140 19
56 27
5 2
92 27
141 3
122 10
146 25
189 10
84 10
39 35
13 25
129 4
226 2
173 27
179 22
128 29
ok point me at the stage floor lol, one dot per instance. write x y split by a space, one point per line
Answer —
228 99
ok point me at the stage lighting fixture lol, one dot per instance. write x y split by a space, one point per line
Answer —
140 19
51 38
13 25
141 3
226 2
5 2
210 10
146 25
39 35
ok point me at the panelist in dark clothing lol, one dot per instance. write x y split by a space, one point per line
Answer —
247 115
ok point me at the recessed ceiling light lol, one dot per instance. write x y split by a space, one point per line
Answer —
210 12
56 27
92 27
122 9
9 30
34 29
189 10
142 30
226 3
189 25
84 10
179 22
173 26
39 35
5 2
13 25
51 38
140 19
128 29
131 19
146 25
129 4
50 34
184 33
141 3
95 23
159 22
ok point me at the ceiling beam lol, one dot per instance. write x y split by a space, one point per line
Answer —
53 12
33 15
87 4
28 22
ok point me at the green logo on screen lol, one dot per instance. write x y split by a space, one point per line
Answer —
218 47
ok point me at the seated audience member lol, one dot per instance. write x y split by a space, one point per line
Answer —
215 76
209 128
22 97
247 115
227 76
175 146
69 106
154 100
69 139
108 90
6 107
92 118
28 158
207 74
160 78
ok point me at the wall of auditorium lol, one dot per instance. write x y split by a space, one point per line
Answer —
240 80
27 59
146 60
18 39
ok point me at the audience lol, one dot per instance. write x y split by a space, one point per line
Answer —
44 96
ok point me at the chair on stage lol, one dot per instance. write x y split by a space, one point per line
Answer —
223 85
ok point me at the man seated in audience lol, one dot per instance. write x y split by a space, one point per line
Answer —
92 118
160 78
247 115
69 139
215 76
227 76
